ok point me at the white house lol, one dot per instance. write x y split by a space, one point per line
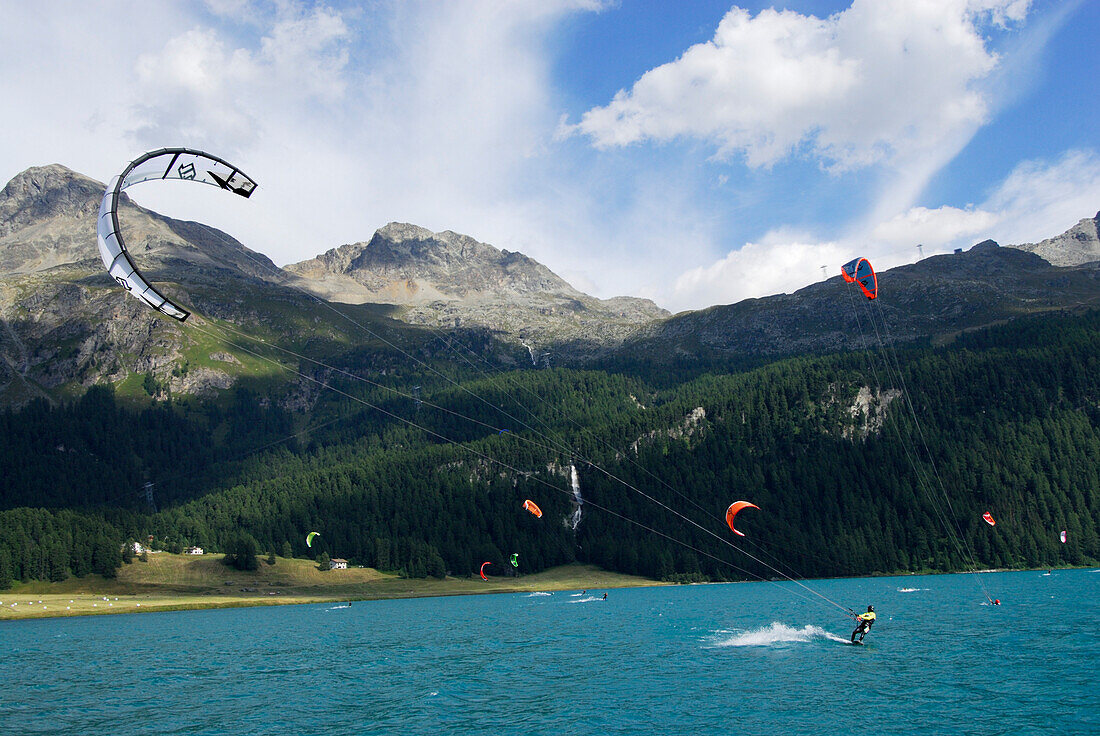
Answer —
337 564
138 548
193 551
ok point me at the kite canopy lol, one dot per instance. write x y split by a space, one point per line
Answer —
860 271
310 537
989 519
532 507
183 164
515 559
483 564
1063 536
734 509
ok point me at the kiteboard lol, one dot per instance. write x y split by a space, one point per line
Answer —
857 643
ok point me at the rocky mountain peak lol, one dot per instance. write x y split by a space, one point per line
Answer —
1078 245
48 219
448 279
47 192
408 264
453 263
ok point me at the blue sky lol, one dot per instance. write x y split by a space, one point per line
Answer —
695 153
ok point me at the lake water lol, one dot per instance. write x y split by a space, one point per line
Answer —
708 659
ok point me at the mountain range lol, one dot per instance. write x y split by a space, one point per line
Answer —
417 460
66 325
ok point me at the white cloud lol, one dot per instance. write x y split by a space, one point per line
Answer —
191 92
1002 13
201 89
438 114
308 54
70 67
885 80
934 228
1038 200
779 263
234 9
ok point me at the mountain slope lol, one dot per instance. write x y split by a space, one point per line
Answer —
447 279
932 299
65 325
48 218
1006 419
425 486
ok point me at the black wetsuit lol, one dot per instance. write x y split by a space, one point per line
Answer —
865 621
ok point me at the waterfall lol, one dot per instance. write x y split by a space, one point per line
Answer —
575 517
531 350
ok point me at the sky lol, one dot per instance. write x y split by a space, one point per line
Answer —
694 153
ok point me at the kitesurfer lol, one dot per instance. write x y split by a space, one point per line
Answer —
865 622
605 596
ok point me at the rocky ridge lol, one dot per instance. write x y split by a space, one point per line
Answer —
1078 245
48 218
933 298
447 280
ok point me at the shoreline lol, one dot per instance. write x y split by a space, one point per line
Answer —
180 583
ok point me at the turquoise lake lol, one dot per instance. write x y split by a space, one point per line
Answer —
750 658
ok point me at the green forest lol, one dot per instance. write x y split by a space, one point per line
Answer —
867 461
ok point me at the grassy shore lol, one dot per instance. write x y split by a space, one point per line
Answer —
179 582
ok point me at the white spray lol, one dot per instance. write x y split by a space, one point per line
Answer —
575 517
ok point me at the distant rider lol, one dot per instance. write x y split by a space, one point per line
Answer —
865 622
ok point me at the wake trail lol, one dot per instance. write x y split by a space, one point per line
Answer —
777 633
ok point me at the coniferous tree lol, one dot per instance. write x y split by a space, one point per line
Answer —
241 552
